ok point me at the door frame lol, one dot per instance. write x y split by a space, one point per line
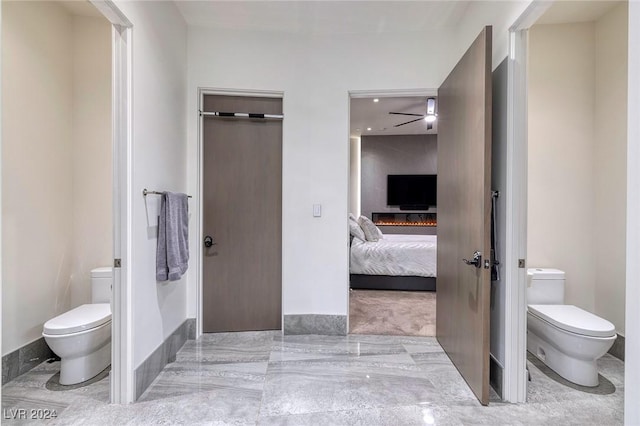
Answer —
122 371
359 94
515 350
202 91
515 368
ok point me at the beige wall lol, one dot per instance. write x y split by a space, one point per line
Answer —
610 167
50 127
561 156
577 139
92 165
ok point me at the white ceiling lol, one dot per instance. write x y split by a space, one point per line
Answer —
324 17
567 12
367 113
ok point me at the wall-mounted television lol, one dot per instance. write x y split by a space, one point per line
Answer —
412 192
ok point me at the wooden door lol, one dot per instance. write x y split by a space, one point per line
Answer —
464 207
242 196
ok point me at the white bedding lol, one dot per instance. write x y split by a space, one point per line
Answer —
404 255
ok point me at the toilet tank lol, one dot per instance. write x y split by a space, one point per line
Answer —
545 286
101 280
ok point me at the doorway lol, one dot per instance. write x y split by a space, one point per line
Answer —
521 134
464 201
98 152
577 140
242 213
392 148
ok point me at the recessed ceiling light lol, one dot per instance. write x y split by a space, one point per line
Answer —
368 129
376 100
430 118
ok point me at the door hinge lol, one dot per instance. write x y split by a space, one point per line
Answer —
117 263
521 263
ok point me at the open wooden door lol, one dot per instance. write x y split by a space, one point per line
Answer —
464 209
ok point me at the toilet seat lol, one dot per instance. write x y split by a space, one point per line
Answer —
82 318
574 320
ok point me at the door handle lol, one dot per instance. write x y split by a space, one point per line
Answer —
476 261
208 241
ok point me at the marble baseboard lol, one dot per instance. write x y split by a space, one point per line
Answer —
146 372
24 359
617 349
495 376
191 328
331 325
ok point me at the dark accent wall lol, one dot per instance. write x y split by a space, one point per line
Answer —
393 155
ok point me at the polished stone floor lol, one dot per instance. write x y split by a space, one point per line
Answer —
401 313
266 379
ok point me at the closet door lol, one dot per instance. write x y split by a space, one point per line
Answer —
464 214
242 214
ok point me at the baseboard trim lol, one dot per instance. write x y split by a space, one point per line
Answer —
146 372
331 325
496 376
617 349
24 359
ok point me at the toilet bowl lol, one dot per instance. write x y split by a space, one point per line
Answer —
566 338
81 337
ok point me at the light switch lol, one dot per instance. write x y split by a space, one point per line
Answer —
317 210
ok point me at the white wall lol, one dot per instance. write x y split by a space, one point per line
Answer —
610 168
57 169
632 354
561 219
316 73
501 15
354 175
36 167
158 162
92 163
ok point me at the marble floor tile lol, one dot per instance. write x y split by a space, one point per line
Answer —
430 344
226 348
547 386
179 379
266 378
345 383
336 345
418 415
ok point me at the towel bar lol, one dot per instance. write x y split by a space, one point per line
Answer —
146 192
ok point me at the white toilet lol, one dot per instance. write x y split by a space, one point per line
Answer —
566 338
81 337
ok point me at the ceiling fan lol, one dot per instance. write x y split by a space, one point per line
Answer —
429 116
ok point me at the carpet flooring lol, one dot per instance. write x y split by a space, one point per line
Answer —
403 313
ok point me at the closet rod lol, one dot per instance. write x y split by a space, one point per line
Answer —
146 192
241 115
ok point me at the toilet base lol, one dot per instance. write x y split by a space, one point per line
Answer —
80 369
579 371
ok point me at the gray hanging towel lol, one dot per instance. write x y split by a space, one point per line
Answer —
172 255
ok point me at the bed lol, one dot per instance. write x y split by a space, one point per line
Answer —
395 262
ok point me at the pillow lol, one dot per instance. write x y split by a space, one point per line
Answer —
371 231
356 230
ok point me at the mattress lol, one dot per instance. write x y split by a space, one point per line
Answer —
396 255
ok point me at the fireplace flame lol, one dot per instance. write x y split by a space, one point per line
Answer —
404 223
